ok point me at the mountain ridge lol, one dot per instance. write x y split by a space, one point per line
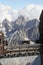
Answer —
25 20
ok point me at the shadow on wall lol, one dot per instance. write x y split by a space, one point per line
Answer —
36 61
28 63
0 64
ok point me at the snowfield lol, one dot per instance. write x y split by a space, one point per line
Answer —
29 60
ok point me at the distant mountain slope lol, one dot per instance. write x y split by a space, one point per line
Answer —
25 19
26 29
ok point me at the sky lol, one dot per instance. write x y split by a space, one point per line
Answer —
17 4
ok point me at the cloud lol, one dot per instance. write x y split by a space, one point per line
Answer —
6 12
30 11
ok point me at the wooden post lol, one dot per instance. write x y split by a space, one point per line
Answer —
1 38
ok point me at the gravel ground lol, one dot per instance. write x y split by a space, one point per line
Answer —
28 60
